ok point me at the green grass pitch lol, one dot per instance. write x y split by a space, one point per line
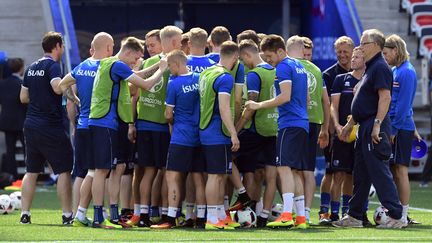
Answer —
46 226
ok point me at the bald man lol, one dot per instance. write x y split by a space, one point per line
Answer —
81 79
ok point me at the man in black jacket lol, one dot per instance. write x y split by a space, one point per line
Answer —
12 113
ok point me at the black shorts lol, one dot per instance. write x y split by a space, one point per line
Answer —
291 147
125 147
401 149
328 151
218 158
104 144
255 151
312 147
343 156
52 145
83 153
152 148
185 159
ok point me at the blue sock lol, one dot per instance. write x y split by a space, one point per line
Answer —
154 211
98 214
179 212
114 212
335 207
345 205
325 202
366 205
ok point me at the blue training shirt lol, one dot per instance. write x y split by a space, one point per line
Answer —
403 93
45 108
119 71
183 96
84 75
213 134
294 112
215 57
198 64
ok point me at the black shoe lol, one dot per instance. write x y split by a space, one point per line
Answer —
334 217
25 219
412 221
261 222
243 201
200 223
188 223
144 221
67 220
366 222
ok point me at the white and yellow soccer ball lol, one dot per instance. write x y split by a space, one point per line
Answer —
381 215
276 211
5 204
16 199
246 218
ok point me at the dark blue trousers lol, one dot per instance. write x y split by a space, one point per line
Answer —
369 169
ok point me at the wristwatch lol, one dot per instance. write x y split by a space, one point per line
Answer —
377 121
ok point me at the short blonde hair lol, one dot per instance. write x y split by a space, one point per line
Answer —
198 37
344 40
295 42
132 43
396 42
177 56
307 43
170 31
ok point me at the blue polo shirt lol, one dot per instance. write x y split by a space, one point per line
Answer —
404 89
343 86
198 64
294 112
330 74
84 75
45 108
183 96
378 75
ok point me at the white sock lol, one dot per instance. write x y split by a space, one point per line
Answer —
241 190
221 212
136 209
25 212
81 213
144 209
172 212
164 211
405 211
287 202
189 210
264 214
307 213
259 207
300 205
201 211
104 213
226 202
212 214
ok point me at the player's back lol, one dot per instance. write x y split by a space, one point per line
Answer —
45 107
198 64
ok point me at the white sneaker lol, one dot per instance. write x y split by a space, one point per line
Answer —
348 222
392 223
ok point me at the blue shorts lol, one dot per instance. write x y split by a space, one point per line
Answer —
104 144
185 159
291 147
125 147
343 156
152 148
255 151
401 149
52 145
83 153
312 148
218 158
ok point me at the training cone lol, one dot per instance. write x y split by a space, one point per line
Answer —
419 149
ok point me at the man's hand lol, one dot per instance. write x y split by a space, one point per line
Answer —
417 135
375 133
323 139
132 133
235 143
252 105
338 129
346 131
163 64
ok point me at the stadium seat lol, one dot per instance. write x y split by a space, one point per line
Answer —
424 32
420 7
425 45
406 4
419 20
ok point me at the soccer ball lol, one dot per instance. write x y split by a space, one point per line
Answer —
16 199
246 218
276 211
5 204
381 215
372 192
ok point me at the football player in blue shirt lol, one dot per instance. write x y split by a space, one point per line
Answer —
83 76
197 61
293 124
45 137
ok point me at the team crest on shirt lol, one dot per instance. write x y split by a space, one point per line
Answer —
312 83
157 87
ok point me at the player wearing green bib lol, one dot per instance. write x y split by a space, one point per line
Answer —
318 113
